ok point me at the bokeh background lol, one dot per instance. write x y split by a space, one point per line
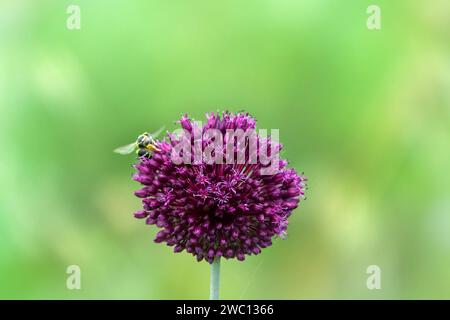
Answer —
365 114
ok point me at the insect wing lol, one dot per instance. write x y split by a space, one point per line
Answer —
129 148
155 134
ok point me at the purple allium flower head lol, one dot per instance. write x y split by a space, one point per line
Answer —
214 210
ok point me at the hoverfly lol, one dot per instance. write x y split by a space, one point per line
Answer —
144 145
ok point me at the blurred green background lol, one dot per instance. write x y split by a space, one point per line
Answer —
366 115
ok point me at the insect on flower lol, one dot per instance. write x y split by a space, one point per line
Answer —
144 145
214 210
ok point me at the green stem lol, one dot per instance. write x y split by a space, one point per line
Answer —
215 280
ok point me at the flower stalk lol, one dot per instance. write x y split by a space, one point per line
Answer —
215 279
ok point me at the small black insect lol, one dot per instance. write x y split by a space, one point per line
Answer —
144 145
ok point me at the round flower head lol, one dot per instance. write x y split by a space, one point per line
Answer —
217 208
